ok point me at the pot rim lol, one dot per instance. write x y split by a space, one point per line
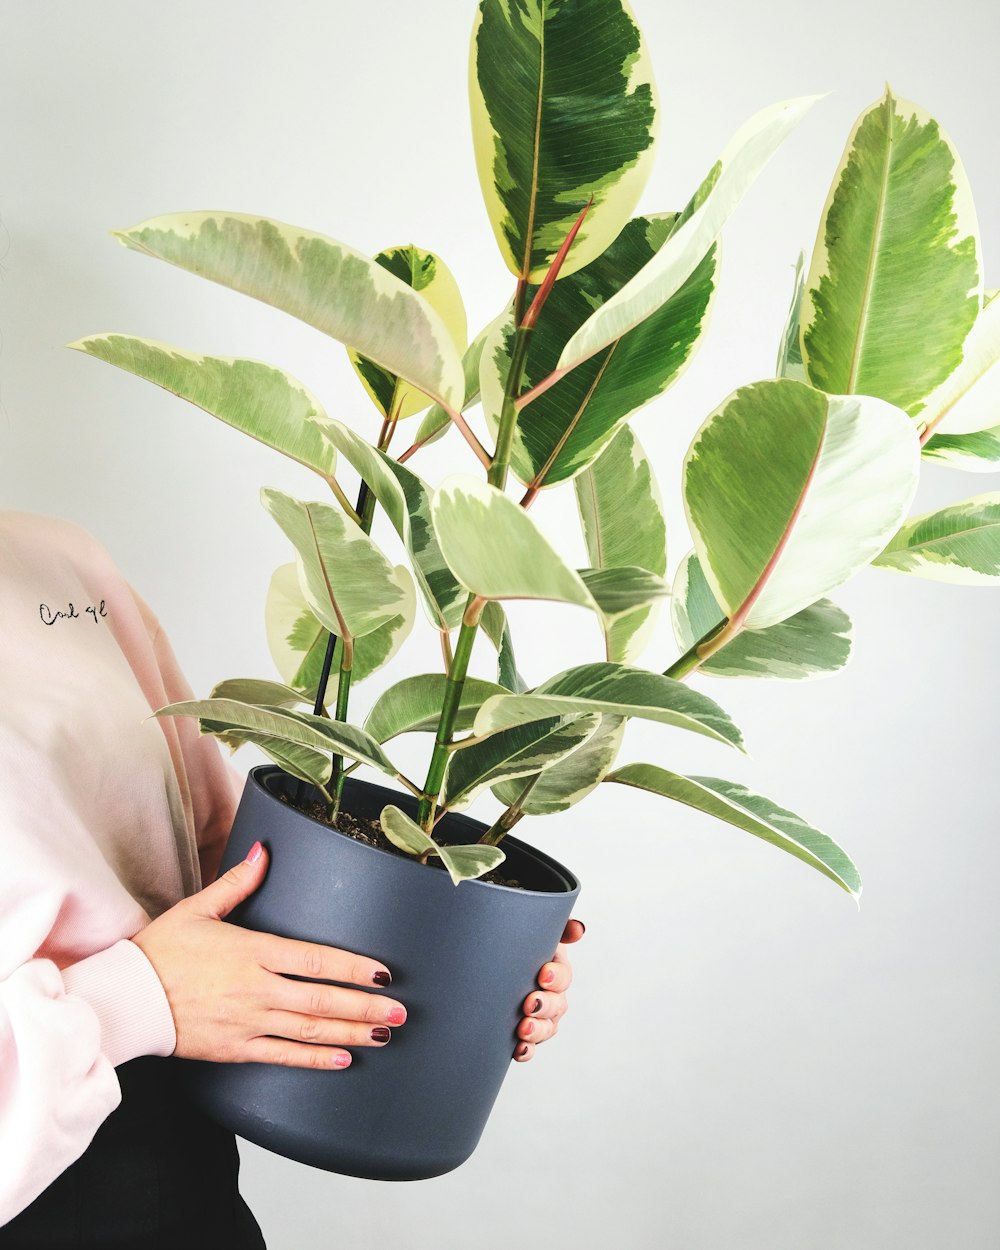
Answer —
261 773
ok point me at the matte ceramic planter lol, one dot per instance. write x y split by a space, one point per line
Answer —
463 958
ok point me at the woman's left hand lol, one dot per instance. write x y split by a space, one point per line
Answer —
546 1006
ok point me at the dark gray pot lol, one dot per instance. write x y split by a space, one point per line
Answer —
463 958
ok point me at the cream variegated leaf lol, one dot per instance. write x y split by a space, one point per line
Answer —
572 778
968 400
959 544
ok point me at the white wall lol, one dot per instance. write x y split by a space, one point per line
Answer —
750 1064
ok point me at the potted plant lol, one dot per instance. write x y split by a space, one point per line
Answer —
791 486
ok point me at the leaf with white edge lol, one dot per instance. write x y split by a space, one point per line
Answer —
619 592
573 778
252 397
345 578
895 281
464 863
736 805
575 123
252 690
790 349
813 643
406 499
431 277
968 400
496 550
612 690
297 638
565 428
789 492
959 544
436 421
517 752
748 152
318 280
496 627
974 453
618 487
413 705
303 763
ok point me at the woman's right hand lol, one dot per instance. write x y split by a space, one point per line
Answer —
230 1002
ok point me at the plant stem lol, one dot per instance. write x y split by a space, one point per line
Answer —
508 819
497 475
716 638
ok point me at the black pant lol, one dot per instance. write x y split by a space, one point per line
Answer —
157 1175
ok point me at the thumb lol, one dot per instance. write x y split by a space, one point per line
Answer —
218 899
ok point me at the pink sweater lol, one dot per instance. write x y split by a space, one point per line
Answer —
106 820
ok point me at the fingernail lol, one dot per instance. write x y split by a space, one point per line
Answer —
341 1061
381 1034
522 1050
396 1015
382 978
254 853
535 1006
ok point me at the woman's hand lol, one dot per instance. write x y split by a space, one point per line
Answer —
230 1003
546 1006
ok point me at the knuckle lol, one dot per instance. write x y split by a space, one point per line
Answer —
360 972
373 1009
312 961
320 1003
309 1030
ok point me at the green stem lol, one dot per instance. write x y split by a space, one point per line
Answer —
508 413
343 694
706 646
508 819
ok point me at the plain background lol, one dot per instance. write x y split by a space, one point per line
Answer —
750 1062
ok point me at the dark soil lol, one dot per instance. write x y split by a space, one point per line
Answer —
368 830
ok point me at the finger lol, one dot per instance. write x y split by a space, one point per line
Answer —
523 1051
332 1002
318 963
218 899
292 1054
557 975
532 1030
542 1005
574 931
324 1032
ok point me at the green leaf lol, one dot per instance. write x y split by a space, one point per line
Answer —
958 544
497 629
407 503
565 428
297 638
563 111
812 643
251 690
347 581
612 690
413 705
975 453
573 778
431 277
789 492
315 767
790 350
895 283
619 592
464 863
517 752
663 276
968 400
738 806
318 280
255 398
616 489
436 421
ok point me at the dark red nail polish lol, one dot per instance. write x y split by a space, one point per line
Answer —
535 1006
381 1034
382 978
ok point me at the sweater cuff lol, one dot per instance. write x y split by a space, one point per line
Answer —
122 988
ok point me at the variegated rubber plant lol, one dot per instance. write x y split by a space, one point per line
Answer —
791 485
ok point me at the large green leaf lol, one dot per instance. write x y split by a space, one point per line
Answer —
895 283
957 544
790 349
612 690
255 398
315 767
611 494
738 806
573 778
322 282
663 276
565 428
517 752
407 503
464 863
428 274
252 690
789 492
297 638
975 453
563 113
812 643
414 705
347 581
968 400
496 627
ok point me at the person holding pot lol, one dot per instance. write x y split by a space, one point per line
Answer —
114 953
